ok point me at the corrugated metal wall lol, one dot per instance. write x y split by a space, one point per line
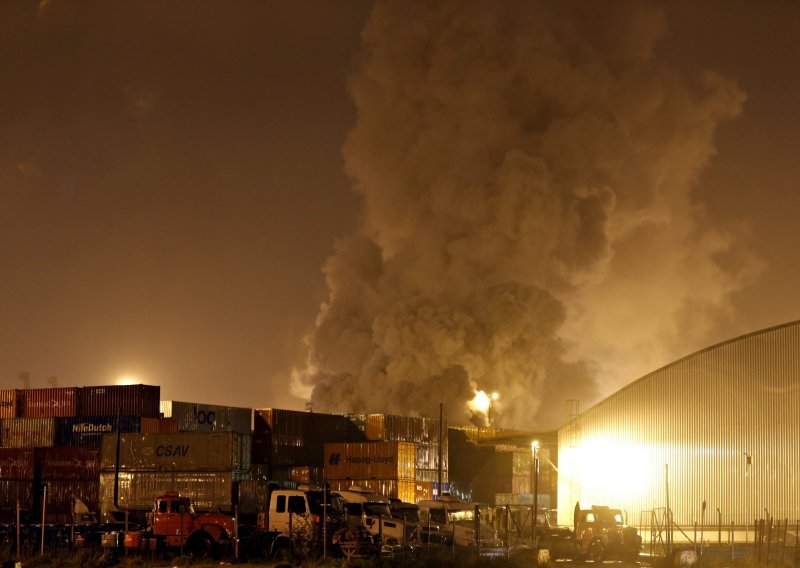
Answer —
701 416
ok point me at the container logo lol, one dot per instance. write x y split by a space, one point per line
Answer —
89 428
168 450
204 417
336 459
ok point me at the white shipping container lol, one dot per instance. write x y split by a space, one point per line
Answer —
185 451
197 417
138 489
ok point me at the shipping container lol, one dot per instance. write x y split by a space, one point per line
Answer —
260 472
138 489
253 496
197 417
89 430
69 463
393 428
295 424
369 460
262 449
11 403
41 403
403 489
186 451
306 474
30 432
13 491
61 495
124 400
17 463
430 475
168 426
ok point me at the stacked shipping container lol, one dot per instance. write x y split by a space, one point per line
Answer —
295 439
384 467
425 434
205 465
50 438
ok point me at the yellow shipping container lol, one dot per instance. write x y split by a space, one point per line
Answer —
370 460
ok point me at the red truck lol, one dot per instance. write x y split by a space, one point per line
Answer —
174 526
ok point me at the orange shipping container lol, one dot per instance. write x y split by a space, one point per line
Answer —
370 460
159 426
423 490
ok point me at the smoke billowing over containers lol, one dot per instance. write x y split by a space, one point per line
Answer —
536 187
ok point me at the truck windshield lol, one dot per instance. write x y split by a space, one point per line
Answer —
459 516
377 509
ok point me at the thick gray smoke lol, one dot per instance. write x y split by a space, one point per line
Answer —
530 227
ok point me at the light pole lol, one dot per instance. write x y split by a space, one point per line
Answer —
535 455
748 460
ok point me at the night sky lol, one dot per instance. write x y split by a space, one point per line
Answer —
174 176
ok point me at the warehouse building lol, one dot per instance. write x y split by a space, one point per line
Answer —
711 437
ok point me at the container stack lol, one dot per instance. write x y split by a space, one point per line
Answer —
205 465
69 473
51 437
17 474
425 434
383 467
296 441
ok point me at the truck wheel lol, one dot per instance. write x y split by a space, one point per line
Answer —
283 554
199 545
597 551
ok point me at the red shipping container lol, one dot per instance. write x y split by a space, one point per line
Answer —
17 463
125 400
43 403
61 495
11 492
11 403
70 463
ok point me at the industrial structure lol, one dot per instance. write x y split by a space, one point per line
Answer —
711 437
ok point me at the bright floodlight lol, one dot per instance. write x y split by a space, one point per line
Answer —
534 446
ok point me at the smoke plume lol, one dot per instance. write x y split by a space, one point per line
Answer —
528 171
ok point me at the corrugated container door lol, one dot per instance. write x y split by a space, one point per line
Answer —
11 403
41 403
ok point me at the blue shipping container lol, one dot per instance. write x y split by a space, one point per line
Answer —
89 430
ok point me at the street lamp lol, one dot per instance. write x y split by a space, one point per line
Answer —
748 460
535 454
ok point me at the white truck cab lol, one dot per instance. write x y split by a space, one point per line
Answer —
456 521
372 510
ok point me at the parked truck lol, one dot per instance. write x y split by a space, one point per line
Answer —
599 533
292 525
459 523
